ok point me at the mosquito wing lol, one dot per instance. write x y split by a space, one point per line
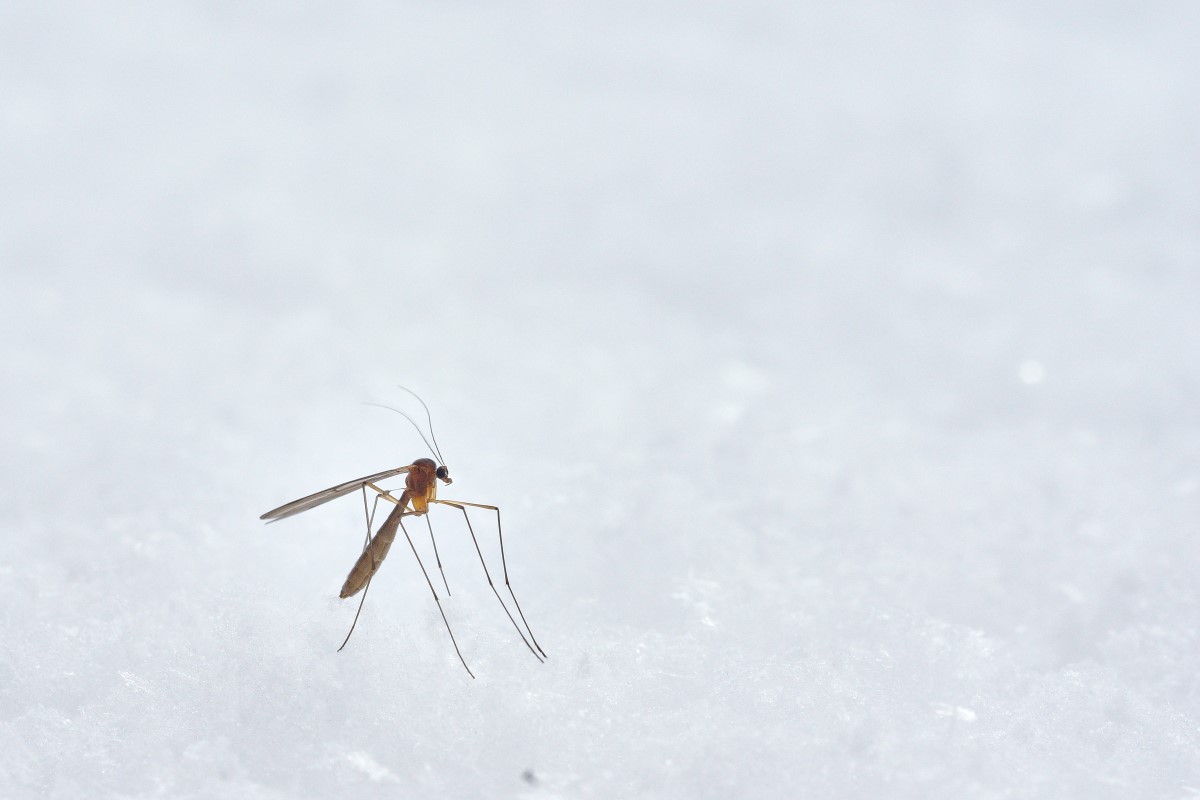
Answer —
325 495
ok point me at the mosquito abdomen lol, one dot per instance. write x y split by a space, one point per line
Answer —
370 560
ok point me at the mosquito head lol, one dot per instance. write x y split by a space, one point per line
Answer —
443 475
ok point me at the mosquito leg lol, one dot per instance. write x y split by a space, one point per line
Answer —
503 562
383 494
436 600
366 589
436 556
488 575
386 495
370 517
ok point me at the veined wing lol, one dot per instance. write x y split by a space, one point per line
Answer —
324 496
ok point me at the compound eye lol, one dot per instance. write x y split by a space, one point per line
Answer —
442 473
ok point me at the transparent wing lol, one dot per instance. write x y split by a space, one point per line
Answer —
324 496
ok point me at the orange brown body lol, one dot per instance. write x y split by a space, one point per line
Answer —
420 488
420 491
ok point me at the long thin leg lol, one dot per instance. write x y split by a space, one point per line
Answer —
488 575
436 600
384 493
436 556
503 562
369 517
366 589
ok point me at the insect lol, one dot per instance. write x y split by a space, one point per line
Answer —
420 491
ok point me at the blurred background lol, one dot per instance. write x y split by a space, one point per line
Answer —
835 368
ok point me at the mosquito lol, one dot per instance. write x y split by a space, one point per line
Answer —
420 491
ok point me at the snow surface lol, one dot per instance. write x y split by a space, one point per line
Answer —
836 367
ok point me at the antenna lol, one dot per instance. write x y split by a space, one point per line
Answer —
429 419
414 424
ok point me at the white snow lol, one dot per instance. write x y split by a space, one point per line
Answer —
835 365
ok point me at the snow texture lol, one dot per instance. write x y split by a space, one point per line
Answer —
836 365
